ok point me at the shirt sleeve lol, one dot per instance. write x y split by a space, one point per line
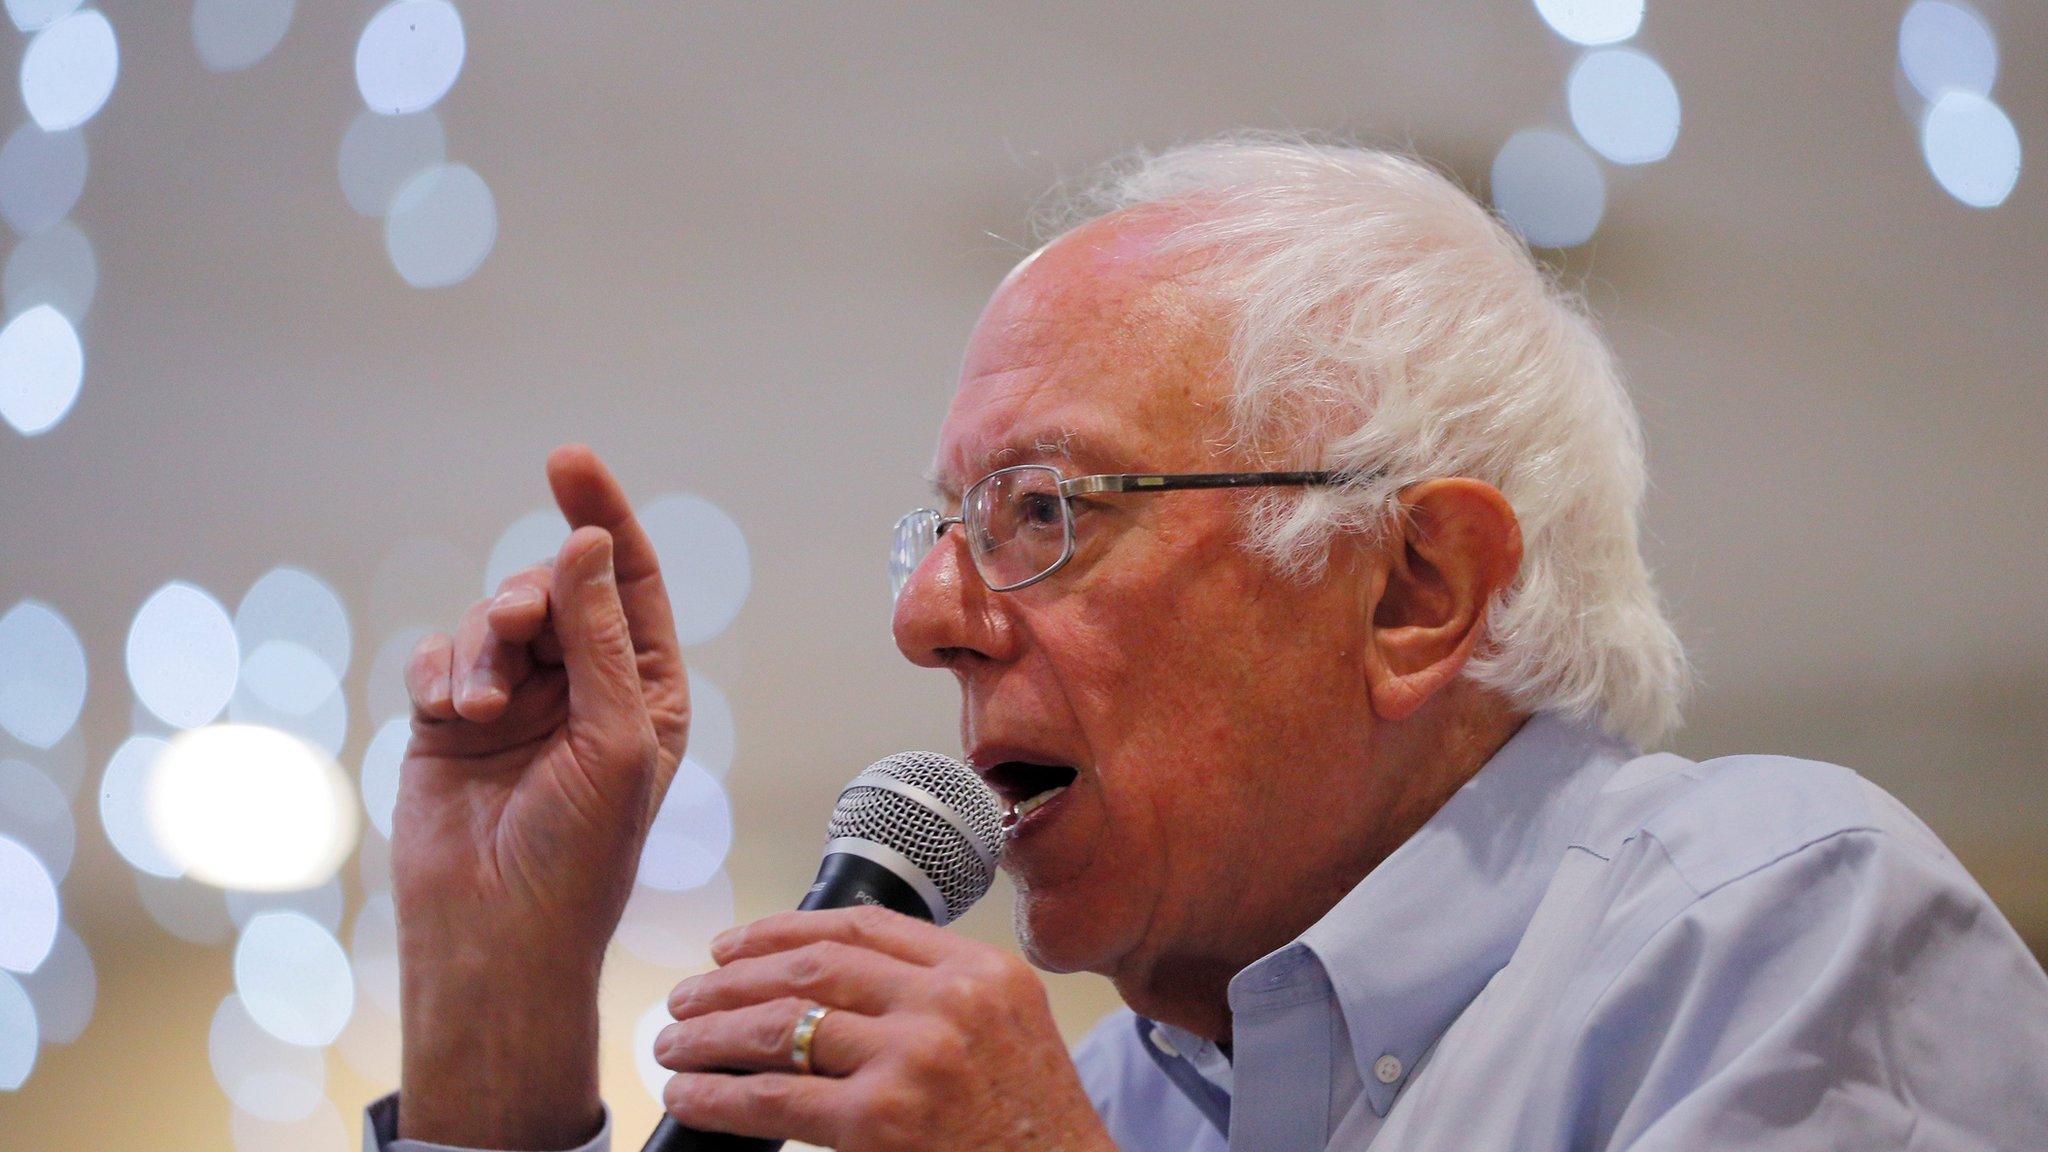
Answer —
380 1133
1861 992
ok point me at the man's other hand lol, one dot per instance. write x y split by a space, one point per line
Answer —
545 731
932 1041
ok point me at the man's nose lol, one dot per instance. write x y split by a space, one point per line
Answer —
946 615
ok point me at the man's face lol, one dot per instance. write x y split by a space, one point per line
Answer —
1204 709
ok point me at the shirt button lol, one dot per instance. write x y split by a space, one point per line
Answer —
1387 1069
1164 1045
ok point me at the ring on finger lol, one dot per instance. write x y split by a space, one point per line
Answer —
802 1035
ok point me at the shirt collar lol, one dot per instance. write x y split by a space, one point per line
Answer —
1414 943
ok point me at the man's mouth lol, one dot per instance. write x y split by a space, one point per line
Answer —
1026 786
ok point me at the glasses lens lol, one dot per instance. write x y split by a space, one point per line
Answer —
915 535
1017 525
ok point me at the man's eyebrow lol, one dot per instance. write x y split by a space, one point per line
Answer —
1063 444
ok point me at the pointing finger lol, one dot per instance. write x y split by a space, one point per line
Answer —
590 496
605 705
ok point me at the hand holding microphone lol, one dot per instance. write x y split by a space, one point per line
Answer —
861 1025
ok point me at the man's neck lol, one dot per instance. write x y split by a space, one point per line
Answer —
1424 765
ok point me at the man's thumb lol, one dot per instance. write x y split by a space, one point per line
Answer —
605 704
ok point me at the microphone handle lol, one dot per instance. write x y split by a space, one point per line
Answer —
844 880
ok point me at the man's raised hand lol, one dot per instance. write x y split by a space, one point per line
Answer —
545 730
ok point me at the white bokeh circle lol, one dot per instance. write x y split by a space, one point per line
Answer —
409 56
43 676
1549 188
704 562
182 655
69 70
29 910
691 834
379 154
294 979
35 811
42 369
442 224
1972 149
230 35
124 806
65 989
263 1075
56 267
1624 105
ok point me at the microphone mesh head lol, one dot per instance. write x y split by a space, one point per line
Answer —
869 810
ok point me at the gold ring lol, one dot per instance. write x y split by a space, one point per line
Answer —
801 1036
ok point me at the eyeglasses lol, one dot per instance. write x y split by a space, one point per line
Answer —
1020 524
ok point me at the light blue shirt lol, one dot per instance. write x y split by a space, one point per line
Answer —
1589 950
1585 949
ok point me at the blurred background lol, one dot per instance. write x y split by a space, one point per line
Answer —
298 296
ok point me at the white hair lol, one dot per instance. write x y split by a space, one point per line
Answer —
1388 326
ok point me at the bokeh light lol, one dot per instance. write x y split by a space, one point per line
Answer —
292 604
691 833
652 1020
1592 21
380 153
1624 105
321 1130
674 929
42 367
56 267
28 908
42 175
1549 188
442 224
264 1076
19 1034
373 945
294 979
69 70
323 904
43 676
1972 149
30 15
194 913
704 563
712 734
35 811
230 35
288 687
532 539
183 659
124 806
65 989
1945 46
381 764
409 56
243 806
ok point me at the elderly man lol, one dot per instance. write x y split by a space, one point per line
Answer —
1323 753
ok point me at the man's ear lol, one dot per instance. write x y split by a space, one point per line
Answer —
1456 545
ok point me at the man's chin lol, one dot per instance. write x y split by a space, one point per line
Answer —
1057 937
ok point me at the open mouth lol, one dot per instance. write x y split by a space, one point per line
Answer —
1025 786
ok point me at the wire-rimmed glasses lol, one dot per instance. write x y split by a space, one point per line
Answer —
1020 525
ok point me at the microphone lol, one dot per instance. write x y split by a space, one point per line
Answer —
917 833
